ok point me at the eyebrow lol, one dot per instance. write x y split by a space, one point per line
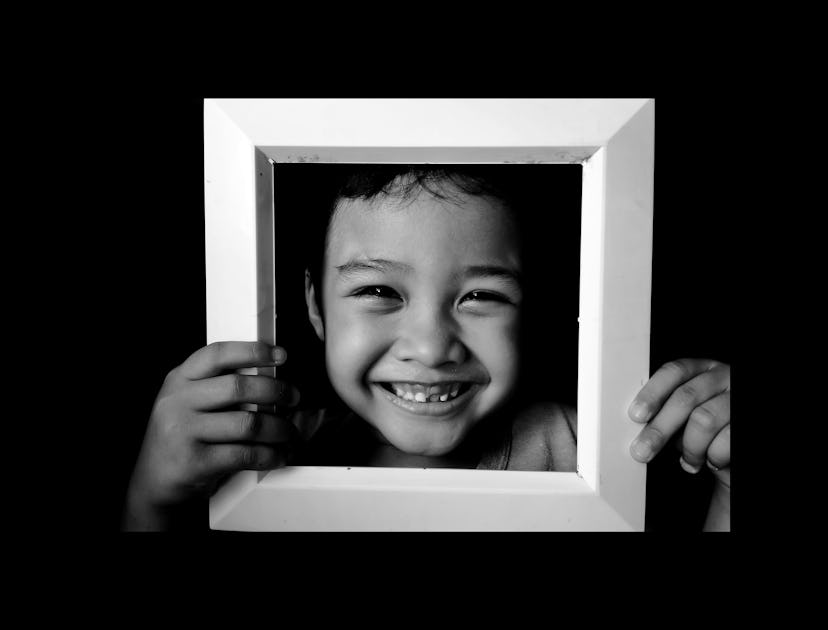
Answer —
493 271
356 266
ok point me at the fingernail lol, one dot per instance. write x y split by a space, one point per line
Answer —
643 450
712 467
687 467
279 355
639 411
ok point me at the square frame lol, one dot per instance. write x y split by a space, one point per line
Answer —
614 141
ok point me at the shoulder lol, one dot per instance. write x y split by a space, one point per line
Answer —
544 437
548 417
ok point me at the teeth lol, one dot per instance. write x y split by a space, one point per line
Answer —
421 393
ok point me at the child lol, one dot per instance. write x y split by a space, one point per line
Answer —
418 297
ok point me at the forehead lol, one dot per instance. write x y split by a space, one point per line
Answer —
471 228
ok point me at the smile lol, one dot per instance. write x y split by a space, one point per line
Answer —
423 393
429 399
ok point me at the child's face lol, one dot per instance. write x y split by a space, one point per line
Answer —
421 301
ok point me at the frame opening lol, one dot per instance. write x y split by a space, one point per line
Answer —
545 200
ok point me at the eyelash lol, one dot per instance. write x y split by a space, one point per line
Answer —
371 292
377 291
489 297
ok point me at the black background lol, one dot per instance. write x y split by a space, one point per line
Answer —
148 268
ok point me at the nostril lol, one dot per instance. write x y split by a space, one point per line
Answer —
432 351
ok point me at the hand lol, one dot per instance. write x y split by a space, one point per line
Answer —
693 394
196 434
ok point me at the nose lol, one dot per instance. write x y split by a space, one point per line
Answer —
430 337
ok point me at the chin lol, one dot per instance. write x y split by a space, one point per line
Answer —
431 446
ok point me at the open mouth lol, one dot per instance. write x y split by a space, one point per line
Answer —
414 394
427 393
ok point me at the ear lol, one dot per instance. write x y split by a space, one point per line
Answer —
314 315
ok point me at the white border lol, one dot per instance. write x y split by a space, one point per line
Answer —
613 139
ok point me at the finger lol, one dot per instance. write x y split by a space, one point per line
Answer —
222 459
718 454
220 392
676 411
226 356
244 426
704 424
287 400
665 381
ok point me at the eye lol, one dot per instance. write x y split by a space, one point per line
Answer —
377 292
485 296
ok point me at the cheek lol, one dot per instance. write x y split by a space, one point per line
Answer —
496 345
352 345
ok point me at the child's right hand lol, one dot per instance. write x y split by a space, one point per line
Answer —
197 435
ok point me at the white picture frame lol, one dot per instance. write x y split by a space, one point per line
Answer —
614 141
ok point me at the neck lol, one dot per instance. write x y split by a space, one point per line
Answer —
390 457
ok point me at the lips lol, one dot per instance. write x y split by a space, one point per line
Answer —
428 399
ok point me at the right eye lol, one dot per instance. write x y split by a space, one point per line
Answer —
378 292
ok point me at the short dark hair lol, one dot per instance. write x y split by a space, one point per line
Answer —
404 181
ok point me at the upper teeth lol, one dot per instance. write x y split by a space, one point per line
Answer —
426 393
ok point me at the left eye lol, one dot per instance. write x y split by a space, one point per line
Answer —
485 296
381 292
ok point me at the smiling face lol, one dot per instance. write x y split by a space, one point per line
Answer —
421 303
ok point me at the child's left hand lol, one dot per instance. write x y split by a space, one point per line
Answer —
693 394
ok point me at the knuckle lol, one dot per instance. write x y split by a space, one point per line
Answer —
704 419
686 395
237 387
173 375
165 412
249 425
